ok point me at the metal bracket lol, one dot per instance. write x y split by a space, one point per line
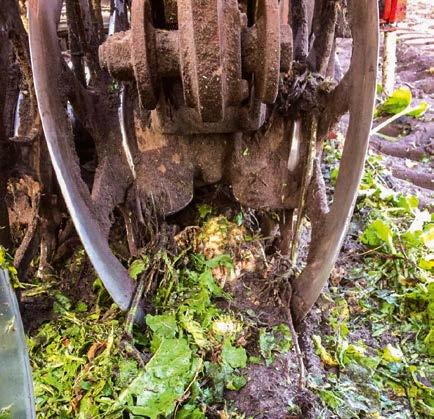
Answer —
226 71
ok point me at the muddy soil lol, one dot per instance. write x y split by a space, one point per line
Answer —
411 158
410 155
415 55
270 388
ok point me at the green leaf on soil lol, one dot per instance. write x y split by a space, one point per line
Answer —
232 356
325 356
6 262
276 340
190 411
378 233
408 202
163 382
205 211
392 354
138 266
419 110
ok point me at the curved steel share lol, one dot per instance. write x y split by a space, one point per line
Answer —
324 252
47 72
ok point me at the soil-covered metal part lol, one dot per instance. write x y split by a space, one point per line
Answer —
170 105
24 171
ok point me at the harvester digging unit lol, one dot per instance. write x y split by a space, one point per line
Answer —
185 93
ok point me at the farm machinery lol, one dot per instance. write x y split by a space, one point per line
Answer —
161 97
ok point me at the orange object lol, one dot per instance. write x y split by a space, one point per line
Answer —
392 11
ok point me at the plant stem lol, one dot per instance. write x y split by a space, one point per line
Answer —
379 127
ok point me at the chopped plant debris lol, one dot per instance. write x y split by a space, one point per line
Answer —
377 346
190 353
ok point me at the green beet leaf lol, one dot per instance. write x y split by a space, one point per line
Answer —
234 357
163 381
419 109
378 233
396 102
